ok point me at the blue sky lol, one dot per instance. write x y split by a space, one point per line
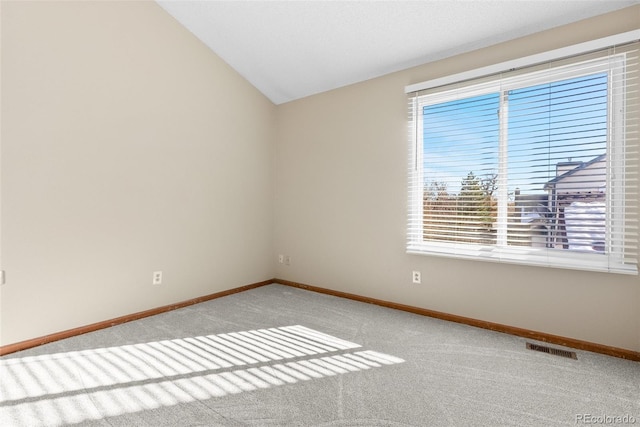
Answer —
547 124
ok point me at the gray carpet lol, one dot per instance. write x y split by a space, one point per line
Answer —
281 356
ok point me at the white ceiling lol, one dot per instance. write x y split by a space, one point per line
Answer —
292 49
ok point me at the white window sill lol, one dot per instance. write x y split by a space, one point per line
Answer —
553 258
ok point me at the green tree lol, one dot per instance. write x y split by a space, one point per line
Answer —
471 198
477 207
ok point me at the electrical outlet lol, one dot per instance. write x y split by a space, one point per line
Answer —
287 260
157 277
281 259
417 277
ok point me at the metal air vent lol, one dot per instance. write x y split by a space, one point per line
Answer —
554 351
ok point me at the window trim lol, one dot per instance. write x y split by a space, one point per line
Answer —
611 262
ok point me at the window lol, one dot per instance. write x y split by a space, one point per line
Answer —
535 166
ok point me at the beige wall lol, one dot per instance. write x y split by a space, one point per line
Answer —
341 203
125 150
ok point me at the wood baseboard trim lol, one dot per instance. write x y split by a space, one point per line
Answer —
497 327
24 345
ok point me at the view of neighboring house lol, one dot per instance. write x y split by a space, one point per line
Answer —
573 212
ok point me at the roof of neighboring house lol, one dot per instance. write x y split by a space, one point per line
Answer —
579 168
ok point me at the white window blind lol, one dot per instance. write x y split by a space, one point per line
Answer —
534 166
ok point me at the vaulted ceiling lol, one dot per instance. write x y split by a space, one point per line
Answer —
293 49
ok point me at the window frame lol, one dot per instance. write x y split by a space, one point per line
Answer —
614 258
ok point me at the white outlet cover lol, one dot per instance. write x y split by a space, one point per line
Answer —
157 277
417 277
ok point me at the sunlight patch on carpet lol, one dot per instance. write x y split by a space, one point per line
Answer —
71 387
